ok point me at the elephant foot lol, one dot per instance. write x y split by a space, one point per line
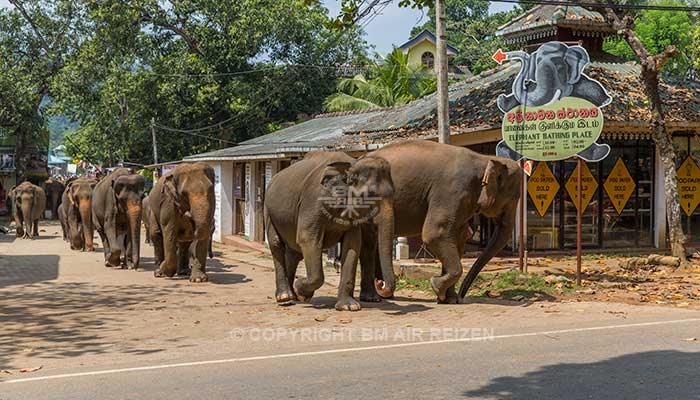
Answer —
370 296
132 266
382 291
441 295
451 297
348 304
301 295
90 249
110 265
185 271
158 273
198 276
285 298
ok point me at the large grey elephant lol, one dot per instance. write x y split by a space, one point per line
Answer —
552 72
116 213
311 206
181 216
438 188
54 191
28 204
75 214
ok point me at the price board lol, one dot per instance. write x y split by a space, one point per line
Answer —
542 187
619 185
588 186
688 176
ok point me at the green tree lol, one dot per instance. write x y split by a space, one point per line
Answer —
394 83
658 29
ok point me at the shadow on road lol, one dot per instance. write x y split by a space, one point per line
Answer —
648 375
20 270
70 319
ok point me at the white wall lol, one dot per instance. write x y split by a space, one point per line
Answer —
223 191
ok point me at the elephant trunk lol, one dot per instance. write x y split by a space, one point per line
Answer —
519 83
55 202
385 235
134 212
500 238
85 210
27 207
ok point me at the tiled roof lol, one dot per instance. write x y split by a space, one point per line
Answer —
426 35
473 106
542 20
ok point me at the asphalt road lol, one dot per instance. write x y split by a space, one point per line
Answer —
630 359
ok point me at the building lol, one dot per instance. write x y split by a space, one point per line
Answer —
421 50
636 219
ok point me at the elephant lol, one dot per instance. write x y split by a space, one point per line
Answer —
145 210
311 206
54 192
551 73
116 213
28 204
75 214
438 188
182 205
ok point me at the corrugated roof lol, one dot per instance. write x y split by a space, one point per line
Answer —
320 132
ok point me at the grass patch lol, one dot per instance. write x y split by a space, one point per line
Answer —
509 284
421 285
506 285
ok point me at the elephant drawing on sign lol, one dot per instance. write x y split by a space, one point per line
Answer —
28 204
438 188
54 191
181 217
306 212
116 212
551 73
75 214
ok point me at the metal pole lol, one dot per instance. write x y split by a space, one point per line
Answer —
155 143
441 65
521 228
579 201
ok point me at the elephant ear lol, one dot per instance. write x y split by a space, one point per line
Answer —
71 192
491 182
576 60
335 170
170 187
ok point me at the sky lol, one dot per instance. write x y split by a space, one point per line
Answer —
392 27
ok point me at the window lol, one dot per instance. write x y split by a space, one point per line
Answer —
428 59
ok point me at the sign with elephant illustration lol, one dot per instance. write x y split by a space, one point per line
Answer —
554 110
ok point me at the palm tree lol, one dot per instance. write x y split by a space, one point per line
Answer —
395 83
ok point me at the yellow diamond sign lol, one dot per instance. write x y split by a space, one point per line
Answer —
542 187
619 186
688 176
588 186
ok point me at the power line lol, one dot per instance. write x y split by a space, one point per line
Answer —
174 130
602 5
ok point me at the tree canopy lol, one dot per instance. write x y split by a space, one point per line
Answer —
216 72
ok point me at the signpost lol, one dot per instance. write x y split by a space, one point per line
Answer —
688 176
620 186
553 113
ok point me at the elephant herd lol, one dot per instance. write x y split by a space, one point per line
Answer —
178 216
404 189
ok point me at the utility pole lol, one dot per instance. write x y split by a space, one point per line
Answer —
155 144
441 64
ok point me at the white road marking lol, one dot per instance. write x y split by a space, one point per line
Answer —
346 350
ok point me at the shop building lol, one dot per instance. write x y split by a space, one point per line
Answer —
623 195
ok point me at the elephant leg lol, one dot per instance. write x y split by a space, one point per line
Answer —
183 258
36 228
105 245
368 266
352 242
305 287
168 267
438 235
158 251
19 225
199 265
451 294
291 262
283 290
